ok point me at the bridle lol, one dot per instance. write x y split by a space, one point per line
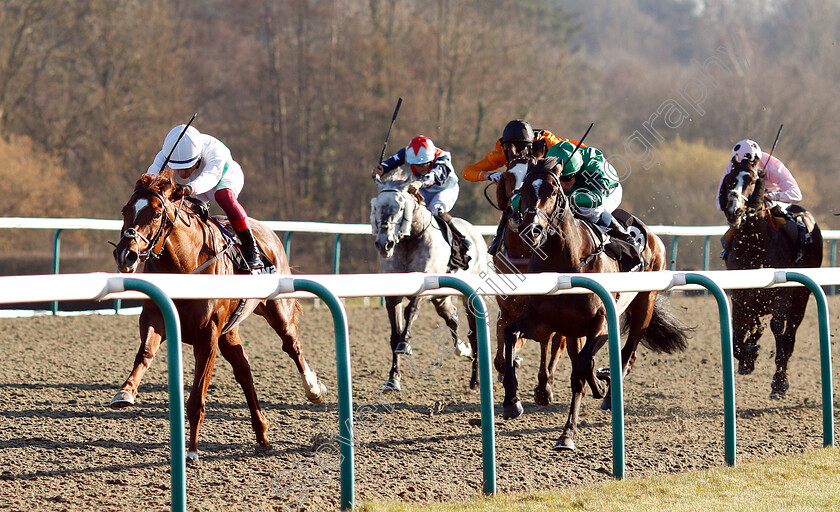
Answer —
552 218
162 233
737 194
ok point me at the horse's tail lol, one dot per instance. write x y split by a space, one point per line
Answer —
665 333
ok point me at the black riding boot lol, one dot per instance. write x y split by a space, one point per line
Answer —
250 251
619 232
460 245
498 241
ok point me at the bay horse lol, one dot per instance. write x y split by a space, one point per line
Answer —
167 235
513 258
563 243
408 239
758 242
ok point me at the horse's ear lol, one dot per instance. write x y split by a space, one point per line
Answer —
144 181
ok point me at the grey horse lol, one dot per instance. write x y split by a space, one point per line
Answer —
409 239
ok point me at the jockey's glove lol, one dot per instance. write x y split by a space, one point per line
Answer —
494 177
184 190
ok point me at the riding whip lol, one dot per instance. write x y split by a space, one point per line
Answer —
764 167
388 136
578 146
162 167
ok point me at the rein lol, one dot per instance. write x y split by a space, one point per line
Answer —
414 198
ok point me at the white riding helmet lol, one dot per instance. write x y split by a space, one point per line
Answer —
187 151
420 150
746 149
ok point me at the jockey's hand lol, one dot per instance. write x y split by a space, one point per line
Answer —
183 191
414 187
494 177
377 171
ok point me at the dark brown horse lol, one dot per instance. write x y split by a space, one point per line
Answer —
563 243
513 258
759 241
169 236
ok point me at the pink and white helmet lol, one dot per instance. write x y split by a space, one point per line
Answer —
746 149
420 150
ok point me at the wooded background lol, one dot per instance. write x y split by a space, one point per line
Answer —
302 92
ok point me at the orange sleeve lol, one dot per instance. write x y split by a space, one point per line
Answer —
551 139
478 171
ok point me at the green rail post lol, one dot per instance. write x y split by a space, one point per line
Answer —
833 260
287 244
616 370
485 376
825 353
172 324
56 258
344 385
337 253
724 312
674 249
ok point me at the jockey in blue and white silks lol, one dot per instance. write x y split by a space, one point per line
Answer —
431 172
432 175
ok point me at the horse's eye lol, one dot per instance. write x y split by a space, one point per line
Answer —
158 215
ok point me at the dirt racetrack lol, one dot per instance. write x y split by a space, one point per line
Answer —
61 448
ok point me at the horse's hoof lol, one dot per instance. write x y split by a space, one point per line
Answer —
122 399
543 397
606 405
565 443
462 349
779 391
319 398
403 348
517 361
474 385
391 385
192 457
261 449
513 411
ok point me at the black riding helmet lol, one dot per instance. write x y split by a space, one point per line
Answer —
518 130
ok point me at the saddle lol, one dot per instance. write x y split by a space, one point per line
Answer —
240 266
620 250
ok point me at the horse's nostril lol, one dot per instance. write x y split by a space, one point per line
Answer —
131 258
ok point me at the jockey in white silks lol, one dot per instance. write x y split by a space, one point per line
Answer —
781 189
207 171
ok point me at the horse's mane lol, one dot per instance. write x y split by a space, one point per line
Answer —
546 164
162 183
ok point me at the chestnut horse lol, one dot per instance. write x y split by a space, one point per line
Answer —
563 243
513 258
759 243
168 237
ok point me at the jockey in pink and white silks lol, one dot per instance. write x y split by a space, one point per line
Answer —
432 176
781 189
204 165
